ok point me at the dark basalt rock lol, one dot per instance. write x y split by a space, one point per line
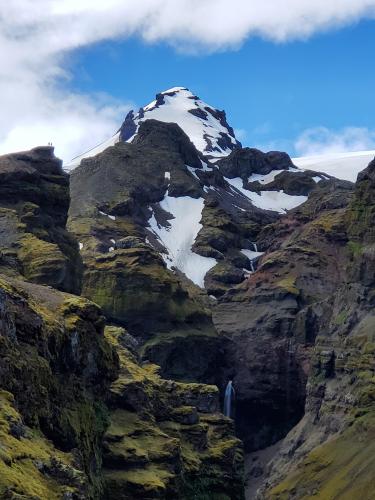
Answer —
292 183
247 161
130 242
268 343
163 436
199 113
112 195
168 136
34 202
128 127
50 373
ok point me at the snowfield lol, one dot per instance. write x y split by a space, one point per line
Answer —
278 201
179 236
342 165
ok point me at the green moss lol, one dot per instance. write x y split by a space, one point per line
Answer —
149 482
329 221
341 318
160 448
27 462
355 248
42 262
341 469
289 284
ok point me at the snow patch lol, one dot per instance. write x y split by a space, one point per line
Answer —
270 177
80 245
250 254
277 201
112 217
192 171
180 235
317 179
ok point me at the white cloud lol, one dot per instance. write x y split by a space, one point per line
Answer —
323 141
36 36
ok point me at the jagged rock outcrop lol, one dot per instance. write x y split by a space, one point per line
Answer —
166 439
270 323
244 162
55 368
193 270
80 416
111 199
331 450
303 339
207 127
34 201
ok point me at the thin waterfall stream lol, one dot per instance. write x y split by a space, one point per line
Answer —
228 399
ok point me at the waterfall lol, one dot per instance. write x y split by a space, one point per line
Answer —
229 393
255 246
252 266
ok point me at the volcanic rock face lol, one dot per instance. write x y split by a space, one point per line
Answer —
270 321
73 400
166 439
325 249
55 367
34 201
200 270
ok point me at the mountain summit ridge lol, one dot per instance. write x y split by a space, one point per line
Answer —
206 126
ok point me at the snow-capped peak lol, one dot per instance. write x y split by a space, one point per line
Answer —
206 126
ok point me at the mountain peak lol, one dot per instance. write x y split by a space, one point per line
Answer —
206 126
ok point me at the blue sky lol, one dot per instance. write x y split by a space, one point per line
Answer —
295 75
272 92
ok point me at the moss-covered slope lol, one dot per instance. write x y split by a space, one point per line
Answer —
166 439
55 367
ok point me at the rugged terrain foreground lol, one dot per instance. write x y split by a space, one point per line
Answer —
165 265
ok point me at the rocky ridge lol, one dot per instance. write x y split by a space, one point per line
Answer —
201 271
73 395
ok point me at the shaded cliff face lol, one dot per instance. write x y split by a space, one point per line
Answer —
328 333
270 323
55 367
340 408
85 412
148 212
34 201
166 439
112 200
81 417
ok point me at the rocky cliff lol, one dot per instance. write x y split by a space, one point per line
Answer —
81 415
134 289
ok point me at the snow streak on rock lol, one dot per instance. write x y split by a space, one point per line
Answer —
180 235
277 201
268 178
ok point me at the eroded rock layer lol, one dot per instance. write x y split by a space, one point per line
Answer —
81 417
